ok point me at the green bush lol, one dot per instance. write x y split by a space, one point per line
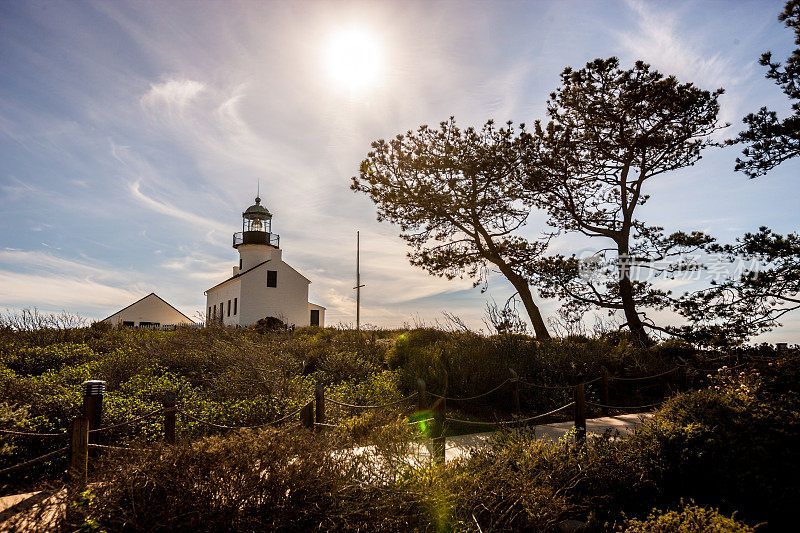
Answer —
690 519
35 360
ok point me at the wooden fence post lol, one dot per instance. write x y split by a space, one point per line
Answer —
439 415
93 391
580 413
422 401
307 415
604 391
515 383
79 450
683 377
319 400
169 417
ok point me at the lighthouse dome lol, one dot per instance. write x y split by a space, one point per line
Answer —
257 209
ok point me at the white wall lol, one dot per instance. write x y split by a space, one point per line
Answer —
288 301
253 254
149 309
222 294
321 313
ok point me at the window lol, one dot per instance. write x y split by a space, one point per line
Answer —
272 278
128 324
235 301
215 312
240 263
209 314
315 317
221 310
229 308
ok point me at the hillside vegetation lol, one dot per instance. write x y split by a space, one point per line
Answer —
708 453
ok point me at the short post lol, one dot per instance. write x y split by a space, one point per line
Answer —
93 391
319 400
580 413
307 415
169 417
683 377
439 414
515 384
78 450
422 401
604 380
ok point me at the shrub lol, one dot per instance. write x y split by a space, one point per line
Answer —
689 519
264 481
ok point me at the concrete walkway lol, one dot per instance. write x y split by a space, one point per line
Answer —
462 444
419 452
33 511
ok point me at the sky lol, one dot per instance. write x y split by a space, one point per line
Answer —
134 134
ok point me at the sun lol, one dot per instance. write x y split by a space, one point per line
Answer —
353 59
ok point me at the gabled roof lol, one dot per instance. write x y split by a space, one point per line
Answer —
296 272
239 275
142 299
317 305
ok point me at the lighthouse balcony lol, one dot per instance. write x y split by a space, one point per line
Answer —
256 237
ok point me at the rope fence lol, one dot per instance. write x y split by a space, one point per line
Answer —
625 407
32 462
503 423
128 422
118 448
223 426
645 378
85 429
471 398
366 407
26 434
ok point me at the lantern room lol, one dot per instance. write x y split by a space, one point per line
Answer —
256 227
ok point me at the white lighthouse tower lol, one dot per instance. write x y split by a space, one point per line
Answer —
262 285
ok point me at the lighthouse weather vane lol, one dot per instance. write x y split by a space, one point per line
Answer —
358 281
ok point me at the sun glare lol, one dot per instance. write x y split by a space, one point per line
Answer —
353 58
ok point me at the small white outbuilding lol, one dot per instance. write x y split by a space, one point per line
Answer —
152 311
262 285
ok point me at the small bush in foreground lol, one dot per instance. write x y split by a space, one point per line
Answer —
690 519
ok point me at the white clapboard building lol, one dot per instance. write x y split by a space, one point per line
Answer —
152 311
262 285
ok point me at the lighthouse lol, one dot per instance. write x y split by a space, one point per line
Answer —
263 285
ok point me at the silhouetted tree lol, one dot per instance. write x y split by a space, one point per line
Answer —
610 131
457 198
763 285
772 141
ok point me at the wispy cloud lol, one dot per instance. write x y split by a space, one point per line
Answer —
170 210
172 95
668 41
54 292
